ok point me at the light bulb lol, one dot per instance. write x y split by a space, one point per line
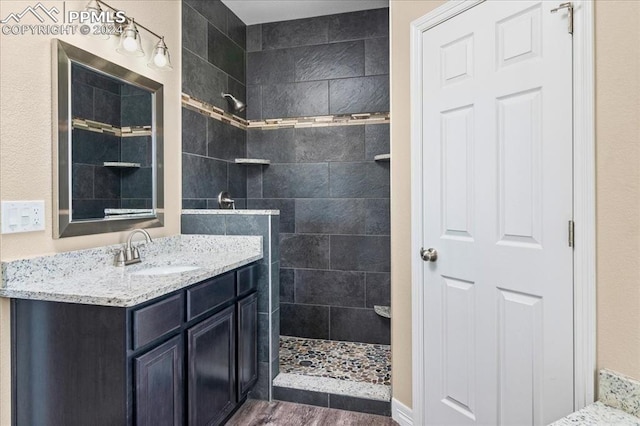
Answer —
130 44
160 60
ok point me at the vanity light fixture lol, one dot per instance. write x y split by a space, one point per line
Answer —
131 40
94 7
160 58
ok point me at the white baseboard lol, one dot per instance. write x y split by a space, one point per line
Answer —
401 413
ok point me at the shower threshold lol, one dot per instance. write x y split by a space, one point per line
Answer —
345 375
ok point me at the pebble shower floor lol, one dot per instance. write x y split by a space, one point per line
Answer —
358 362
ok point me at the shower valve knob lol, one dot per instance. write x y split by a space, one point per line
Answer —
429 255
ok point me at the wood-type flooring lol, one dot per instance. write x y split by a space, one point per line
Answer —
278 413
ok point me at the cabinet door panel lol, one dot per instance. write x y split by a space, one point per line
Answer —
159 387
211 369
247 344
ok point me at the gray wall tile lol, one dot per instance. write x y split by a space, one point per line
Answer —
304 321
224 141
202 177
202 80
137 184
330 216
287 287
237 181
254 103
359 25
378 220
299 32
254 38
296 181
376 58
360 94
360 253
83 182
304 251
277 145
236 29
261 388
361 405
287 210
194 132
347 325
213 10
194 31
335 288
137 149
225 54
270 66
339 143
376 140
250 225
327 61
202 224
94 148
359 180
295 99
193 203
254 181
107 183
263 337
378 287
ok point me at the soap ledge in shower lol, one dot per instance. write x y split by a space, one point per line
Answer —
383 311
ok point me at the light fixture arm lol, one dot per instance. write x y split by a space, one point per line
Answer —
138 24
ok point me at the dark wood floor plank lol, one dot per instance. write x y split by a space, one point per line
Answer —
278 413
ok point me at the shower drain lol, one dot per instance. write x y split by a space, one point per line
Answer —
306 363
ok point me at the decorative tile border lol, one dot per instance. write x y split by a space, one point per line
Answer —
213 112
98 127
619 391
280 123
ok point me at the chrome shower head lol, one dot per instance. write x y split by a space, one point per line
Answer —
237 105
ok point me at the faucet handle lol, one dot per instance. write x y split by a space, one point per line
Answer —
136 253
119 258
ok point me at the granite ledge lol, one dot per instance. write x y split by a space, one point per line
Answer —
334 386
88 277
230 211
598 414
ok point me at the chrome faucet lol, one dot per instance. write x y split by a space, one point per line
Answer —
129 255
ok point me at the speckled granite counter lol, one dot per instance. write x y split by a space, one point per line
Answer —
619 404
89 277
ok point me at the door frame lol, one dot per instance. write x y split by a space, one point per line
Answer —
584 199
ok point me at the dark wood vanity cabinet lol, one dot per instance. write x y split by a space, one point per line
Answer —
186 358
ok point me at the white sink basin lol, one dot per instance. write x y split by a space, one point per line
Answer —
166 270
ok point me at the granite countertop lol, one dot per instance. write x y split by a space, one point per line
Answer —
618 404
89 277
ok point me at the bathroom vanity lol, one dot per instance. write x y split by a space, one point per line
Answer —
185 357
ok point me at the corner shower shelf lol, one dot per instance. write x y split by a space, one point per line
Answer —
121 164
259 161
382 157
383 311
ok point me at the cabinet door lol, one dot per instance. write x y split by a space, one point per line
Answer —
211 369
247 344
159 389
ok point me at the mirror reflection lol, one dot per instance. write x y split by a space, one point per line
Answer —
108 145
111 147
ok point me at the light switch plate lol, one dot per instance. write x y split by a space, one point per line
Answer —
22 216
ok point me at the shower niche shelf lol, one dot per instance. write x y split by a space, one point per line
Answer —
253 161
121 164
382 157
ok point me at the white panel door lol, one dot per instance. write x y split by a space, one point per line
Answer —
497 199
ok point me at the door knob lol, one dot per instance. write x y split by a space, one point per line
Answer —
429 255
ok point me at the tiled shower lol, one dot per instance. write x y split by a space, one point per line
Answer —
332 194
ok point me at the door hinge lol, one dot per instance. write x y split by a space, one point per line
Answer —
572 233
569 7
